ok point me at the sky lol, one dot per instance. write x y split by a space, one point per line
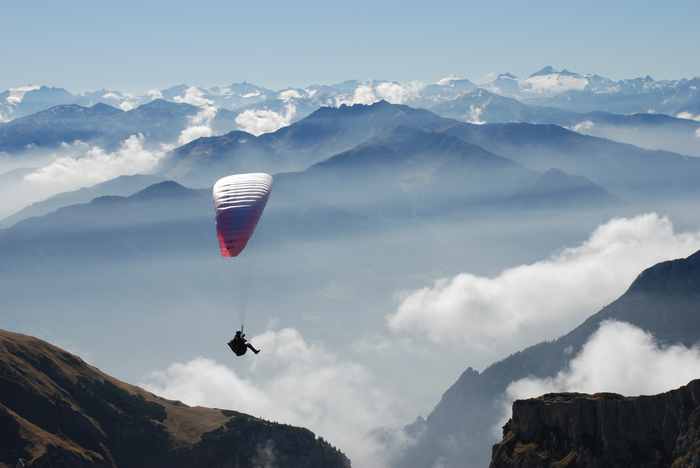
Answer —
135 46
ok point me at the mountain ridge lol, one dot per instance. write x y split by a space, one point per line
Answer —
60 411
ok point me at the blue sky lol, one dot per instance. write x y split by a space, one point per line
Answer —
141 45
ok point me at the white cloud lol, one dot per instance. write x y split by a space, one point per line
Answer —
154 94
294 382
193 96
200 124
697 133
289 94
398 93
446 81
16 95
127 105
395 93
619 358
553 83
259 121
474 115
492 316
363 94
83 165
688 116
584 126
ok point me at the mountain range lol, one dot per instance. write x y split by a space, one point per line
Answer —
662 301
159 121
622 169
648 130
381 129
549 87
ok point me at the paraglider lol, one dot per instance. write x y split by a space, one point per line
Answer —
239 344
239 201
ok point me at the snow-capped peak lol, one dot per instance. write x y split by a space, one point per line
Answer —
17 94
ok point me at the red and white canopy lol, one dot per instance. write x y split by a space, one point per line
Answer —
239 201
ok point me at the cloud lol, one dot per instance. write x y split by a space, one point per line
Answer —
525 304
619 358
16 95
200 124
553 84
259 121
193 96
154 94
474 115
446 81
83 165
295 382
289 94
393 92
127 105
697 133
688 116
584 126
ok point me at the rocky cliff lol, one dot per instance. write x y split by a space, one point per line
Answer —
58 411
603 430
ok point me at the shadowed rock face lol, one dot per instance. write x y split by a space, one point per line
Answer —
603 430
57 411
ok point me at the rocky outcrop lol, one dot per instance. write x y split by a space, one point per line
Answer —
603 430
57 411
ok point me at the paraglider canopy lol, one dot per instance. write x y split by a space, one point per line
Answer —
239 201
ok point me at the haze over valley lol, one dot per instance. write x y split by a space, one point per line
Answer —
432 253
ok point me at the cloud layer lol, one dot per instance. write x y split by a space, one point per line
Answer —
294 382
619 358
259 121
493 316
200 124
393 92
83 165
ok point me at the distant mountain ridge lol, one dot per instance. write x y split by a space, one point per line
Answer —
651 131
330 131
120 186
56 410
548 86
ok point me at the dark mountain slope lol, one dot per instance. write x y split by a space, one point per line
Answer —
557 189
603 430
56 410
646 130
332 130
159 121
410 169
202 161
56 125
618 167
662 300
322 134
